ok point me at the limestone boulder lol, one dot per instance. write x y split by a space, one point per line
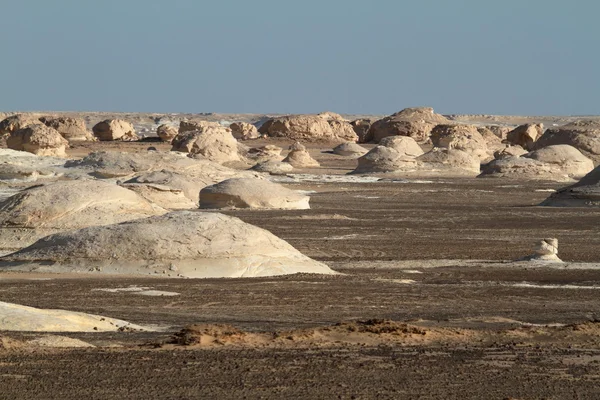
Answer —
448 162
584 135
299 157
461 137
15 122
509 151
66 205
38 139
350 149
244 131
215 143
252 193
402 144
385 159
523 168
166 132
567 158
413 122
178 244
500 131
525 135
325 127
115 129
72 129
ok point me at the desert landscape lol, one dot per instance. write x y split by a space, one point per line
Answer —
411 255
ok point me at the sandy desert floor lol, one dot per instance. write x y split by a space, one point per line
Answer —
428 304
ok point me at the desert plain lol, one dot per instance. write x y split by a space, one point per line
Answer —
410 275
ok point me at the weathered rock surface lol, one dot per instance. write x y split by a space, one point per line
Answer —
20 165
361 127
38 139
585 193
570 160
215 143
166 132
66 205
269 152
244 131
546 251
461 137
188 126
449 162
115 129
402 144
584 135
509 151
326 126
413 122
525 135
384 159
182 243
16 122
72 129
252 193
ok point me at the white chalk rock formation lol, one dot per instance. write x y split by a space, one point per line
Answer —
215 143
252 193
244 131
384 159
404 145
270 152
525 135
38 139
299 157
414 122
584 135
274 167
325 126
15 317
461 137
72 129
15 122
546 250
350 149
166 132
115 129
21 165
65 205
190 244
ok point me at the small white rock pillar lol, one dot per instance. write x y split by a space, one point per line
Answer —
547 250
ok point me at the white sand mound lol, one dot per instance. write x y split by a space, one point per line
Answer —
183 243
15 317
251 193
65 205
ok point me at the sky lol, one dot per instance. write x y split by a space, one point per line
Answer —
511 57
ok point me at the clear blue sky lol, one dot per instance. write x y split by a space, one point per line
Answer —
463 56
